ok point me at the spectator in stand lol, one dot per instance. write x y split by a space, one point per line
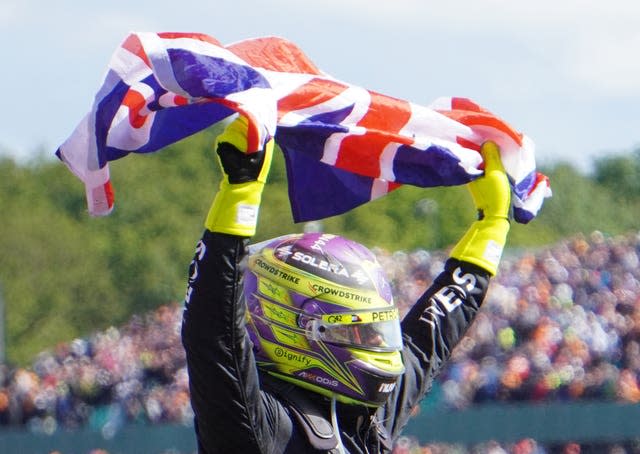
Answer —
560 323
566 323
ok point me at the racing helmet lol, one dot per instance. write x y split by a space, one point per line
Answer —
321 315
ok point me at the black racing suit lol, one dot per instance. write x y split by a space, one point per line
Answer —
239 410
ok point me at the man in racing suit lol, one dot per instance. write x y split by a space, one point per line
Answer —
239 408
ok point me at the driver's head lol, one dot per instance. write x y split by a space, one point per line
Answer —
321 315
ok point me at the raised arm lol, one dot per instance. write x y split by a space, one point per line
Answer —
224 385
439 319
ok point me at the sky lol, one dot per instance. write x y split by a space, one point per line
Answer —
566 73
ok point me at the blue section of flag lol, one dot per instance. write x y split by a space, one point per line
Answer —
206 76
435 166
172 125
307 138
104 112
327 190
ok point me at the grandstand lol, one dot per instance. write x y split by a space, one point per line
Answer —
551 365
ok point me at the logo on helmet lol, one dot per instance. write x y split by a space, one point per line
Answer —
299 278
320 264
386 387
324 290
322 241
318 379
277 272
283 252
292 356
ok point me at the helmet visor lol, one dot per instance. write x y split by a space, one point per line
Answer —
372 330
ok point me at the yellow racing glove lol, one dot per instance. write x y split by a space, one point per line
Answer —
483 243
236 205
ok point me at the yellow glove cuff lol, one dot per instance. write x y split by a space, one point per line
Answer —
483 243
235 209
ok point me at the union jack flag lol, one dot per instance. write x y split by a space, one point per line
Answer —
344 145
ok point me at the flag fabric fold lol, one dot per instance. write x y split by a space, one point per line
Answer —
344 145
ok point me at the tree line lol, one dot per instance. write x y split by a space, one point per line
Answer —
64 274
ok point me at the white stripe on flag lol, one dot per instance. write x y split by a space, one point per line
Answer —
360 99
386 161
155 49
122 134
379 188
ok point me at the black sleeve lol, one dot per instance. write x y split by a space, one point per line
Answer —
231 413
431 329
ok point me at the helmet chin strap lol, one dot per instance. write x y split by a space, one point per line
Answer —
334 423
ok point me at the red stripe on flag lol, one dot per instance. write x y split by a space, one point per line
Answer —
470 114
253 133
135 102
466 104
109 195
180 100
133 45
196 36
540 179
274 54
314 92
468 144
488 120
393 185
383 121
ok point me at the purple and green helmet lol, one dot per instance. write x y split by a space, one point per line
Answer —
321 315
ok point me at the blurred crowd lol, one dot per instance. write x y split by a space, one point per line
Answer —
136 373
561 323
407 445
